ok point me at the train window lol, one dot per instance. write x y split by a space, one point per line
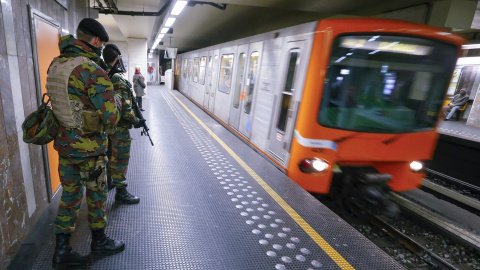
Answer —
225 82
195 69
239 83
386 83
293 62
185 64
252 74
203 64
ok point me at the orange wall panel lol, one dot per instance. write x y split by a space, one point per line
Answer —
47 47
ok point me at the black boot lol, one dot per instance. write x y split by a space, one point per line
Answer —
122 196
64 254
102 245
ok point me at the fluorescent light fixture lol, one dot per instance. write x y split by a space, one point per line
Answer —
164 30
170 21
160 36
178 7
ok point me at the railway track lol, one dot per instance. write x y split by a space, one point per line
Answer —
452 183
427 234
422 238
468 202
431 260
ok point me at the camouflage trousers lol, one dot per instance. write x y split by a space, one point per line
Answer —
119 156
71 171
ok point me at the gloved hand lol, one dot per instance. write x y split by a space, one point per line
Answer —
140 123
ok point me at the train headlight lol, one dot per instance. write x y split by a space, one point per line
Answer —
313 165
416 166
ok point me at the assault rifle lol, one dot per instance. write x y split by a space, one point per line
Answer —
135 108
138 113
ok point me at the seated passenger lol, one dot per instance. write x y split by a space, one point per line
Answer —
456 103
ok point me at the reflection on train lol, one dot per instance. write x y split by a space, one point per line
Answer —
331 102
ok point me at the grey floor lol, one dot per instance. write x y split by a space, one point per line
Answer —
201 208
459 129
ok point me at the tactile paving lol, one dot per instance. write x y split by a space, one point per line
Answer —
200 209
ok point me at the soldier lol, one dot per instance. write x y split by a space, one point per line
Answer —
83 101
119 142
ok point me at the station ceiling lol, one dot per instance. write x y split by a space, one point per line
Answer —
204 23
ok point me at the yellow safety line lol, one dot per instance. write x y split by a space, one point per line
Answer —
334 255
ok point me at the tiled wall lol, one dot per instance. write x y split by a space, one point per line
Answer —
21 204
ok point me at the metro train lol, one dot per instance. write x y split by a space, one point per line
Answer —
342 106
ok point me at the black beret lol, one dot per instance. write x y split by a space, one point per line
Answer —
113 47
110 52
94 28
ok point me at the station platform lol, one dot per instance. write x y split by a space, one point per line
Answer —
208 201
457 151
459 129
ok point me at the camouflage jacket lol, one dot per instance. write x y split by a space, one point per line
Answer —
90 84
127 116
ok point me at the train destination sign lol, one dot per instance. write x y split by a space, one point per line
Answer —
386 46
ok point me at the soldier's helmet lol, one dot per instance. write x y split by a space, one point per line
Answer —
41 126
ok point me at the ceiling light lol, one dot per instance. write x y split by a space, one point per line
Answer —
178 7
164 30
160 36
170 22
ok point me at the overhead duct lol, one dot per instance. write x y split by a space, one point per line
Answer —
112 9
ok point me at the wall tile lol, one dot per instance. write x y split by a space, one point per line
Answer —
15 222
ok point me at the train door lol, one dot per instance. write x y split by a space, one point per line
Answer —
253 64
208 79
289 99
189 76
238 88
226 74
183 74
213 89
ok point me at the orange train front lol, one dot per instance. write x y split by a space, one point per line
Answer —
372 96
353 102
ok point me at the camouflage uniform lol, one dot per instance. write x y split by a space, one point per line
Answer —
120 141
79 153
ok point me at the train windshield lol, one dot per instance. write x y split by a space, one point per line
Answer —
386 83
